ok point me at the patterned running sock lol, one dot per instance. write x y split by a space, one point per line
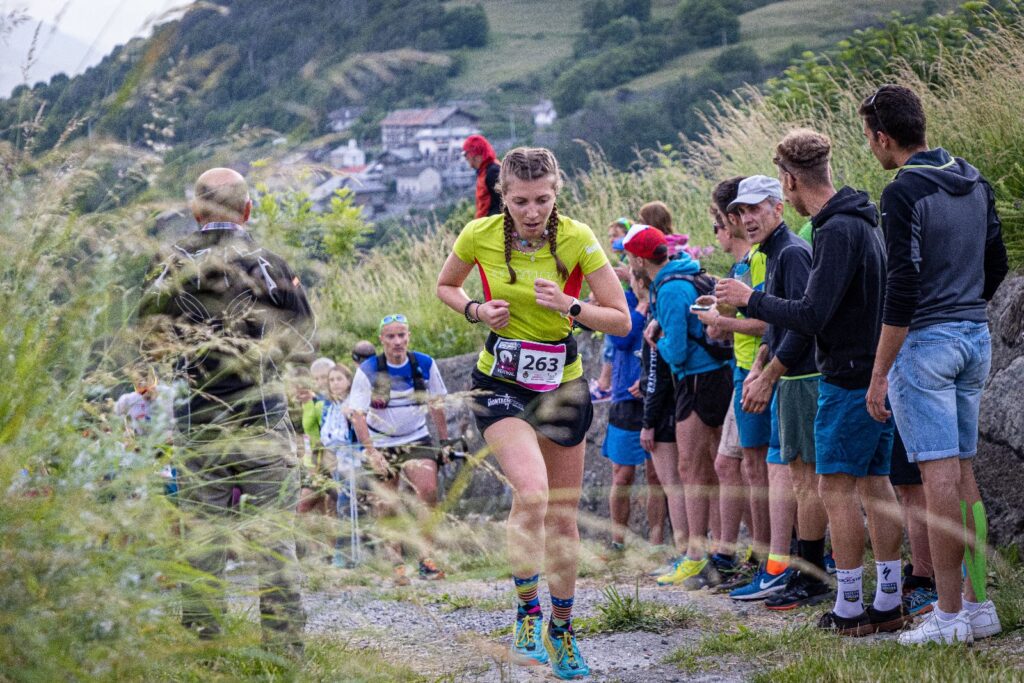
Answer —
777 564
849 583
888 589
527 601
561 615
976 561
813 552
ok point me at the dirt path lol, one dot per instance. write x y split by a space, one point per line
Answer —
420 626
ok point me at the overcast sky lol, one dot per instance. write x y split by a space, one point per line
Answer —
76 34
102 23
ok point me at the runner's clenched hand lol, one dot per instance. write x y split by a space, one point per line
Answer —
653 333
493 313
550 295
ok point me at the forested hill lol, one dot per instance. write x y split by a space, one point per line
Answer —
648 67
230 63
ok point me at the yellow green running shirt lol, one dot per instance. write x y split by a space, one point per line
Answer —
745 345
482 242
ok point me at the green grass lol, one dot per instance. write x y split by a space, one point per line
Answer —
620 612
527 36
805 653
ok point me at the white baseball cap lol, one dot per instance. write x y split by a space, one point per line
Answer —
756 189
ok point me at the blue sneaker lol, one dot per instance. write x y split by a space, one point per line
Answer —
526 643
566 661
830 564
762 585
919 601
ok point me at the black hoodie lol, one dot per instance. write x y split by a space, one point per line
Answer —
842 304
944 242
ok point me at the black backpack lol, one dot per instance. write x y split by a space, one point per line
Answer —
705 285
381 395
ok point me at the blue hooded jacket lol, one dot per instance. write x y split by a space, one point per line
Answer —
626 354
671 308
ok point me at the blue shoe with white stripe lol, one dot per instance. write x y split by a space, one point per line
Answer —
762 585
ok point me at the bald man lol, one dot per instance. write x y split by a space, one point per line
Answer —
232 315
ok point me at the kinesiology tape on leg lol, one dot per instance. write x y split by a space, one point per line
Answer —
976 560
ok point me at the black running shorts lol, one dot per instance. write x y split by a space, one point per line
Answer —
562 415
707 393
902 472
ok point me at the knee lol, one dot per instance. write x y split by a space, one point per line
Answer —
623 475
532 500
834 486
727 469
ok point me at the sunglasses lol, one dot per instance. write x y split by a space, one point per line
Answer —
874 110
360 358
393 318
715 227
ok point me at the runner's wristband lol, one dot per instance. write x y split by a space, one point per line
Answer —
465 311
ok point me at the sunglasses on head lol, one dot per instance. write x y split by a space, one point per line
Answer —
874 110
393 318
360 357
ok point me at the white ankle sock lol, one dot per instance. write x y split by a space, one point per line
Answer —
971 606
888 589
944 616
849 598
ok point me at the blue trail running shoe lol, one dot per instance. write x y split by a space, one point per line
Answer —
762 585
526 643
566 661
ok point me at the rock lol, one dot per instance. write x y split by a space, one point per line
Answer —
1001 446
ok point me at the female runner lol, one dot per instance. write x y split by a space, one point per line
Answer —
533 405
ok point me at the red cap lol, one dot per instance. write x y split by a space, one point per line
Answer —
643 240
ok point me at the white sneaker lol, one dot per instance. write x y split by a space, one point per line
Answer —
934 630
985 621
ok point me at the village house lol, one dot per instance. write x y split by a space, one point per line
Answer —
400 127
342 119
544 113
418 182
347 156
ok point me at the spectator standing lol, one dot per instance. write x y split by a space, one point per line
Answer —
480 155
787 355
234 428
703 387
622 439
935 351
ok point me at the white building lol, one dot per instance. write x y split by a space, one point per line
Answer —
443 142
544 113
418 182
399 128
347 155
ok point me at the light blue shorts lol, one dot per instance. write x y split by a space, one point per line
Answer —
935 389
755 428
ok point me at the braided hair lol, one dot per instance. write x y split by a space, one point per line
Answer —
530 163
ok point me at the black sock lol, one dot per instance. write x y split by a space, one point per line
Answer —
813 553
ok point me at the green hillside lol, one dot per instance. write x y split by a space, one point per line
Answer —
232 67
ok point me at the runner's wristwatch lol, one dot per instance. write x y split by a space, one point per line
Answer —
574 309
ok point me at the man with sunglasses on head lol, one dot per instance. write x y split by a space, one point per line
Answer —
389 402
946 258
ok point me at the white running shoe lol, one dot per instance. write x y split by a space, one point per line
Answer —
985 621
934 630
